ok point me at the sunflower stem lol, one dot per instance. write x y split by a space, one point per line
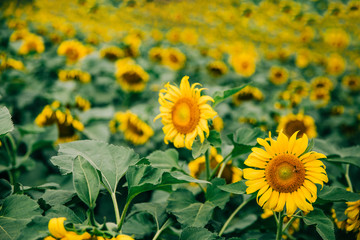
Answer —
280 226
291 221
223 164
207 164
123 214
347 176
116 208
166 225
234 213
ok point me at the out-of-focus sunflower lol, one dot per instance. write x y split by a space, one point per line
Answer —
62 117
74 75
73 50
353 9
283 174
174 35
299 87
231 174
32 43
131 77
132 45
157 35
217 68
243 64
217 124
303 57
173 58
351 82
292 123
156 54
82 104
335 64
19 35
336 38
10 63
246 94
189 36
320 96
322 83
278 75
111 53
135 130
184 113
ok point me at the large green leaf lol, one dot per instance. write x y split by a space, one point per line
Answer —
142 178
36 229
57 197
214 138
187 210
324 226
63 211
191 233
350 160
215 195
220 96
236 188
15 213
140 225
335 194
86 181
6 125
164 159
157 210
112 161
199 148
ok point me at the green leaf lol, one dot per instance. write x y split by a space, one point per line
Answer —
5 188
164 159
16 212
236 188
350 160
199 148
37 228
215 195
86 181
140 225
6 125
336 194
142 178
324 226
220 96
98 131
241 223
112 161
187 210
244 139
214 138
63 211
326 147
192 233
157 210
55 197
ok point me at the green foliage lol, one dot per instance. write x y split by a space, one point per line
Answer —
335 194
220 96
324 226
216 195
191 233
16 212
164 159
244 139
236 188
86 181
6 125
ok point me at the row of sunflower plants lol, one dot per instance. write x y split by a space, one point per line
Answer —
283 175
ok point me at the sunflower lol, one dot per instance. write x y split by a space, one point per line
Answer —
174 35
32 43
173 58
285 174
132 45
19 35
322 83
303 124
189 36
111 53
73 50
67 125
335 64
303 57
184 113
82 104
299 87
9 63
197 167
351 82
353 214
278 75
320 96
157 35
243 64
217 124
74 74
353 8
246 94
156 54
335 9
336 38
131 77
217 68
134 129
57 230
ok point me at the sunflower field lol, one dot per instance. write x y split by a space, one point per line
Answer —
179 120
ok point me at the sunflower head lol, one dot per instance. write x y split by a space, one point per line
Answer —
335 64
278 75
217 68
243 64
173 58
248 93
284 174
73 50
303 124
111 53
352 82
131 77
32 43
184 113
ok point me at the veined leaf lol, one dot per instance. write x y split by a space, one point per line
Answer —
112 161
164 159
192 233
215 195
220 96
244 139
6 124
16 212
236 188
324 226
336 194
86 181
199 148
36 229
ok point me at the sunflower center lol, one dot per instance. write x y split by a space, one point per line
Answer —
285 173
72 54
173 58
278 75
185 115
135 129
132 77
293 126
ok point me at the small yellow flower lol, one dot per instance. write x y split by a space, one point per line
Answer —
173 58
335 64
131 77
73 50
243 63
278 75
74 74
112 53
217 68
56 227
32 43
248 93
